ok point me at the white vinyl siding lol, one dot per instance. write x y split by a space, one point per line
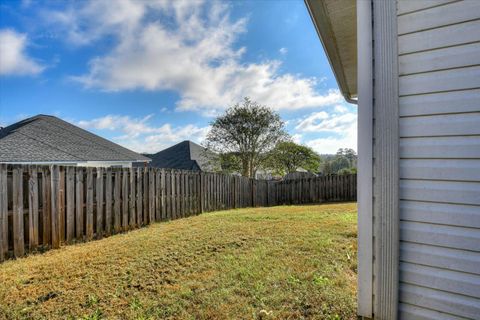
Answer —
439 109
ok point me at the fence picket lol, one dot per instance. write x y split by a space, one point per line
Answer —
162 194
158 209
32 209
133 216
108 202
70 213
117 195
125 204
3 212
17 192
99 203
151 196
177 193
89 220
55 186
79 203
61 205
139 197
46 233
168 195
145 197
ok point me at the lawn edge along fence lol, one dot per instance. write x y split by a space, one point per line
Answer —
44 207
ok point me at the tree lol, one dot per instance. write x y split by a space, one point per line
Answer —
350 154
327 167
339 163
229 163
346 171
249 131
288 156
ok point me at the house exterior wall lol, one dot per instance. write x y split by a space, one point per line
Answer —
439 159
438 165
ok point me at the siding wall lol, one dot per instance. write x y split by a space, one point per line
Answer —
439 124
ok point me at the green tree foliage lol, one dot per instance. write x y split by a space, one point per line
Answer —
350 154
247 131
339 163
230 163
346 171
288 156
343 162
327 167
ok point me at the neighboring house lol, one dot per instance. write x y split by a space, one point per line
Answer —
418 89
49 140
186 155
262 174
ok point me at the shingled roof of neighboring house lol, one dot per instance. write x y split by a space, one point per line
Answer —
46 138
185 155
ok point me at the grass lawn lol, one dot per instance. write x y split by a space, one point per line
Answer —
292 262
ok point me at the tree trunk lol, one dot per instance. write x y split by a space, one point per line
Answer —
245 168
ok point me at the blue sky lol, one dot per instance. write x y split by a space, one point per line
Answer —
148 74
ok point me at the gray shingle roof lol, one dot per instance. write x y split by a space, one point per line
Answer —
48 138
185 155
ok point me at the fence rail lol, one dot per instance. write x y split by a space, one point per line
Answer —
44 207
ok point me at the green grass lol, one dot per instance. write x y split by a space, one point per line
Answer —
292 262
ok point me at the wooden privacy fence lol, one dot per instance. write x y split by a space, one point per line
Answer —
43 207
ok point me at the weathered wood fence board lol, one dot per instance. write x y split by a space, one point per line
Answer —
43 207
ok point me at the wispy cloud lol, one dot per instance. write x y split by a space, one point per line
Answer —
14 59
331 144
140 135
283 51
188 47
327 122
339 126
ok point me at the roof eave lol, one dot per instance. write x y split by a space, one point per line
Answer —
321 21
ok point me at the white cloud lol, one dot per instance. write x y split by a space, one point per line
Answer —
340 125
340 108
330 145
13 58
139 135
283 50
324 122
182 46
131 127
297 138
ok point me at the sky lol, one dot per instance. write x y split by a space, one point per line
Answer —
149 74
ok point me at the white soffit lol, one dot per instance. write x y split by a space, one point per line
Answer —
336 24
